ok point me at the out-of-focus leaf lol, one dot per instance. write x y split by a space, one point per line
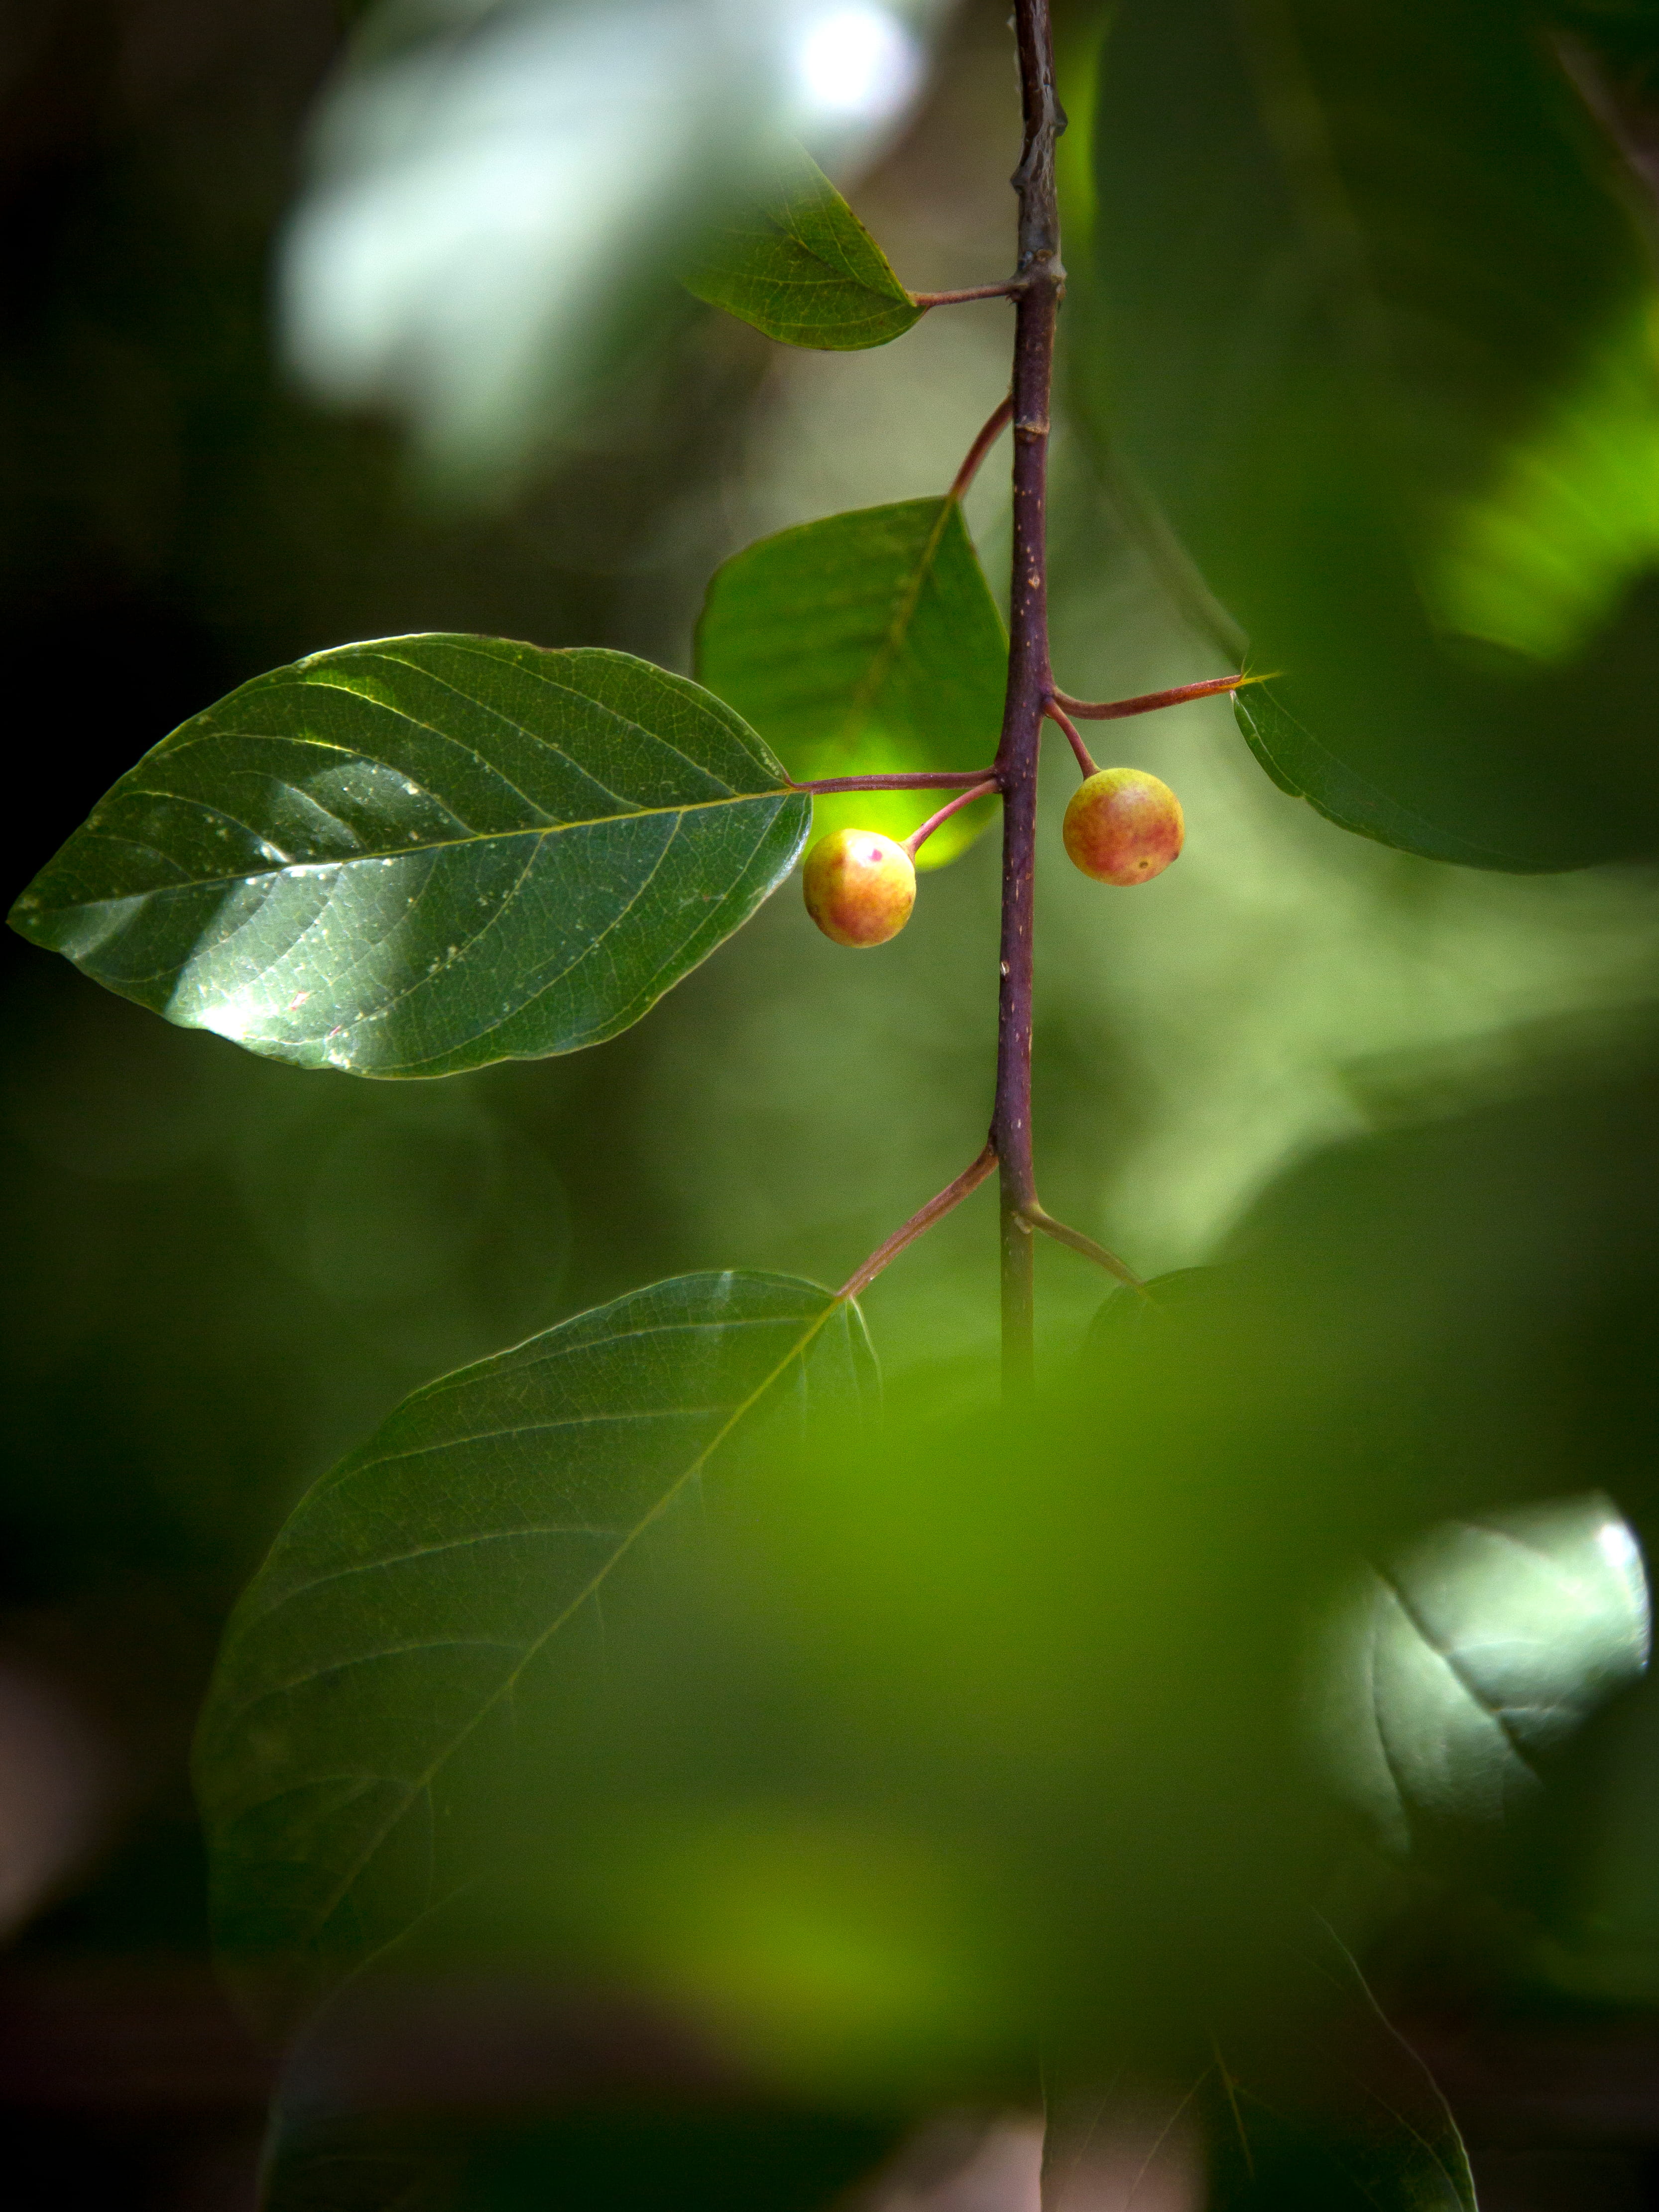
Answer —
370 1673
861 645
1128 1313
1340 2114
1137 2143
1375 329
617 134
1485 1644
801 267
421 855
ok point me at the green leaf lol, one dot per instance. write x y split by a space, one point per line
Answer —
1487 1643
1301 765
1374 328
421 854
861 645
362 1717
801 267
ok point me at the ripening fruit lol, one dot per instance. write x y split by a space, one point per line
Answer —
860 886
1123 826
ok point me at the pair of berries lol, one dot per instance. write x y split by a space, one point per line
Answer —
1122 827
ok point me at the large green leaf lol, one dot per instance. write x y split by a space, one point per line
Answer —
801 266
421 854
861 645
1375 328
358 1730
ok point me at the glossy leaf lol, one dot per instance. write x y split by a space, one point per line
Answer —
366 1685
801 266
1486 1644
861 645
424 854
1375 330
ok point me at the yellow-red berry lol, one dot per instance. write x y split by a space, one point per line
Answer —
1123 826
860 886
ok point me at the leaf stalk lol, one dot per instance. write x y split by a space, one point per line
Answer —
920 779
919 1223
1008 290
1148 703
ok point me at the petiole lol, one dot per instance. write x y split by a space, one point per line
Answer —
921 779
1065 1234
1148 703
1009 290
920 1222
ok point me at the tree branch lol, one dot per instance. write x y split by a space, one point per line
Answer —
1030 682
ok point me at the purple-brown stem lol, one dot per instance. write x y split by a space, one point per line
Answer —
919 1223
981 446
1148 703
929 779
1042 278
917 838
1056 713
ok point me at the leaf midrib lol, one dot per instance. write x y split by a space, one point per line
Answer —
412 851
868 687
413 1789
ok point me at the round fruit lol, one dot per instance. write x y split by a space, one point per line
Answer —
860 886
1123 826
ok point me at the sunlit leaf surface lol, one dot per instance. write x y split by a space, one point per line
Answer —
420 855
803 269
368 1679
1376 330
1487 1643
863 644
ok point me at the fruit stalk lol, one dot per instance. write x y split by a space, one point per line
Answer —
1041 279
